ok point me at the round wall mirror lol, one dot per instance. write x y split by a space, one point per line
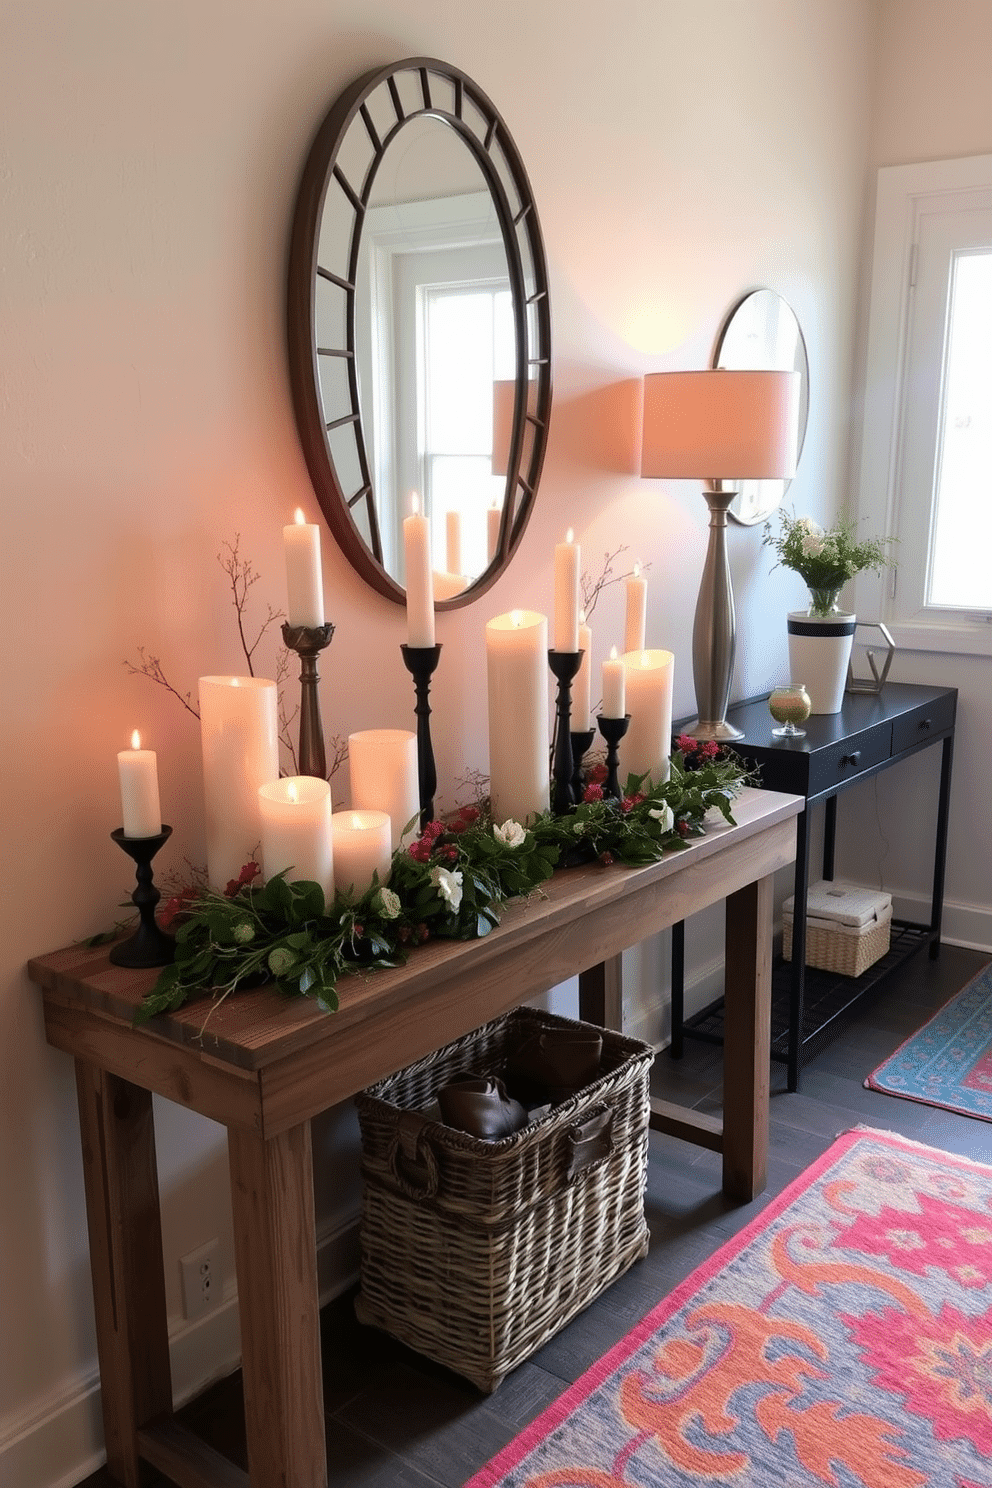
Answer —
419 327
761 334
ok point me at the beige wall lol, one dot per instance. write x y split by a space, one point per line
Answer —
932 88
680 151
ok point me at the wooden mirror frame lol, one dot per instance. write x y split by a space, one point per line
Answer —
492 148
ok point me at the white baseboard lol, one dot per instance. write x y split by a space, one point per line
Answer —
968 925
58 1440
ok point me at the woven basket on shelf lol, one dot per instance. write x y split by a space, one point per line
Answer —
845 949
475 1253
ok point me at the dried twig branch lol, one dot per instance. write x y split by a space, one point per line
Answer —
591 591
151 667
241 576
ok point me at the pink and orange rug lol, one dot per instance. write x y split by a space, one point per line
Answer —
947 1062
844 1338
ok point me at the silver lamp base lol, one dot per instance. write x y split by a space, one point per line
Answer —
713 632
719 731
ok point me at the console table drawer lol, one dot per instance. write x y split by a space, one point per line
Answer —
846 760
923 723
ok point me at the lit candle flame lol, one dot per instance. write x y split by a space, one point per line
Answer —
135 740
645 659
569 536
299 519
516 618
613 653
291 791
637 570
415 503
582 617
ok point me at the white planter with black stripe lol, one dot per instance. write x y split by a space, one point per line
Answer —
819 652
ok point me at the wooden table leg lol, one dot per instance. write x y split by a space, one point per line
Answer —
276 1254
747 1039
125 1233
601 994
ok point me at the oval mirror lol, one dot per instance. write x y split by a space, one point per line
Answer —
419 327
761 334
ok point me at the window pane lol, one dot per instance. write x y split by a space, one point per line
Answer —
463 484
961 574
459 372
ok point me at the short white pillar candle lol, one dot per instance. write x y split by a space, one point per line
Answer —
382 764
362 847
295 816
141 811
646 746
239 738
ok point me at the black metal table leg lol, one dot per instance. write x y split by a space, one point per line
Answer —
678 989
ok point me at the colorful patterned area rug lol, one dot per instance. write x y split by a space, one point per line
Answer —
948 1062
844 1338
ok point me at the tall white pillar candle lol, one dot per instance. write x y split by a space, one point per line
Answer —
567 561
493 517
383 768
646 746
582 686
637 608
141 812
239 742
453 541
614 686
362 847
519 734
295 816
304 580
419 578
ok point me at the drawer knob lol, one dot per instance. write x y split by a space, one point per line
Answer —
851 759
924 723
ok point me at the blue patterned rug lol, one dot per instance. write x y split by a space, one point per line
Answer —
948 1062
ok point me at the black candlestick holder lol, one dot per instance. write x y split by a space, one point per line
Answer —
581 744
421 662
613 730
564 665
308 641
148 946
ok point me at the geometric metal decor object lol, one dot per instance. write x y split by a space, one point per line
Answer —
876 681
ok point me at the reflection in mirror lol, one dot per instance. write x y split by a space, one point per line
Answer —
762 334
417 303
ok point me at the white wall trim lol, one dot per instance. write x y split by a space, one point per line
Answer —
968 925
57 1441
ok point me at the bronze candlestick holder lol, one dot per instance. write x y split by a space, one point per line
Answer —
564 665
308 642
421 662
613 730
148 946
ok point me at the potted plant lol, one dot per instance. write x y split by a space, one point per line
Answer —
821 636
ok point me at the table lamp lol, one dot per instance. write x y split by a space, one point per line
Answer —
718 425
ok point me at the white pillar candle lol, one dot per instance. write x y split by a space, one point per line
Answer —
637 605
646 746
582 686
304 580
239 739
295 817
362 847
614 686
383 768
493 518
419 578
567 561
519 735
447 585
453 541
141 813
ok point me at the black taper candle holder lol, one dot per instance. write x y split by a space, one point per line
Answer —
308 641
564 665
421 662
613 730
148 946
581 744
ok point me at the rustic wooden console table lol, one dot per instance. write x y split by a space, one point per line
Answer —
264 1066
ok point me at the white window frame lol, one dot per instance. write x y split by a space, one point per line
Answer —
902 192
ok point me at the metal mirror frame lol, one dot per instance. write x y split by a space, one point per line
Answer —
492 146
804 399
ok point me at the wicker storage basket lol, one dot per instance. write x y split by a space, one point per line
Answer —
848 928
475 1253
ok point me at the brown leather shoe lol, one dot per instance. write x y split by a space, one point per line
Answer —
480 1106
554 1063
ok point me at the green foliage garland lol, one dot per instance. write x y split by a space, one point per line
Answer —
450 883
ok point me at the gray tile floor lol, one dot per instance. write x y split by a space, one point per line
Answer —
395 1420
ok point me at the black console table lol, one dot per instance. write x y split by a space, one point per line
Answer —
870 733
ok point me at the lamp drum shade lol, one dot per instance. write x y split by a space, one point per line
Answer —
721 424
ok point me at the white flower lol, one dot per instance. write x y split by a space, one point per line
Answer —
389 904
665 815
448 883
813 544
806 524
243 933
511 833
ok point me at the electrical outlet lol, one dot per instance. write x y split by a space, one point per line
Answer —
201 1279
